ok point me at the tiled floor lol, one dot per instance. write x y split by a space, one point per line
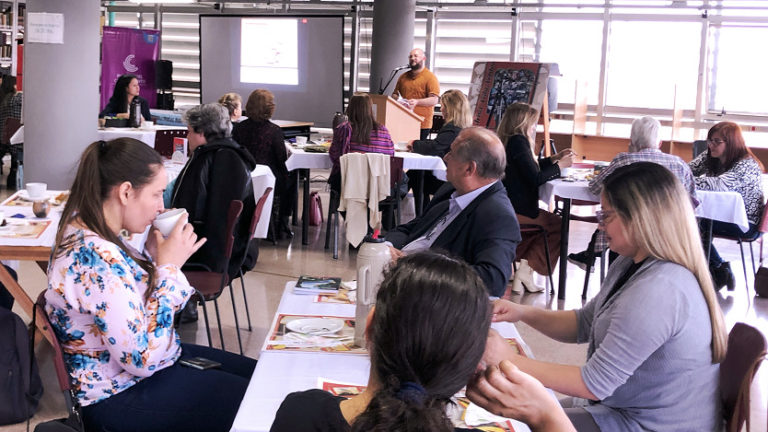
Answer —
289 259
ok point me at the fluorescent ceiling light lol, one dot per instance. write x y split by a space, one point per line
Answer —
163 1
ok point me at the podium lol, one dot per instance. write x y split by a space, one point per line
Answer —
403 124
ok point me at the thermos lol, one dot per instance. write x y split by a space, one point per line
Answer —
134 113
372 258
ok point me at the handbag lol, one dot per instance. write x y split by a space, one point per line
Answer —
315 209
761 282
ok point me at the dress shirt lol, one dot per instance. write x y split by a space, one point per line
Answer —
456 204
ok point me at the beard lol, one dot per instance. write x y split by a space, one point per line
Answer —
417 66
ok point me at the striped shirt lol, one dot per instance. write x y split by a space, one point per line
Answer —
343 143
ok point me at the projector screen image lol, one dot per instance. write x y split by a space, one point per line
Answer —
298 58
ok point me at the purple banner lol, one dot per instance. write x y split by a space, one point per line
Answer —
129 51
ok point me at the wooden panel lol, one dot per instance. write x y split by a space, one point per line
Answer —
402 123
598 147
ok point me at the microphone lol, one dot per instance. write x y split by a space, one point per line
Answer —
402 67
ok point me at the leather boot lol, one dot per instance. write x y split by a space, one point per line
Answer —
524 275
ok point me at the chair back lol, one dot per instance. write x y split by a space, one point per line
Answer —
746 350
395 171
574 203
257 212
235 208
763 227
9 128
65 380
699 147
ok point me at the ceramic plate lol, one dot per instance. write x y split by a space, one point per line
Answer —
316 326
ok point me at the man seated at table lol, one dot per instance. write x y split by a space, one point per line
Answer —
470 216
644 143
218 171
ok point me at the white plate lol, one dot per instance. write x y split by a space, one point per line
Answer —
316 326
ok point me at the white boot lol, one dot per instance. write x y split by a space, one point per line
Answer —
517 285
524 275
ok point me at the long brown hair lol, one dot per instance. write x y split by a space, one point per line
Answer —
360 114
104 165
735 148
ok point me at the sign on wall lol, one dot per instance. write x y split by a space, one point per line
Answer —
129 51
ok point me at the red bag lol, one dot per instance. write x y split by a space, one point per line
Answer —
315 209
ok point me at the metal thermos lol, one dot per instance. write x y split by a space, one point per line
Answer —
134 113
372 258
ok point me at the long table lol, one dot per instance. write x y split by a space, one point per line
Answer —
721 206
302 162
279 373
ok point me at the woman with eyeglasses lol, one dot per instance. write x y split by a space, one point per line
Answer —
655 330
728 165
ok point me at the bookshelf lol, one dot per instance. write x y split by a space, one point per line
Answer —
12 19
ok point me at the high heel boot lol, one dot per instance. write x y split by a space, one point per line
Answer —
524 276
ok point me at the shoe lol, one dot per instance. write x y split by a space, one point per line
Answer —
524 276
583 261
189 313
723 276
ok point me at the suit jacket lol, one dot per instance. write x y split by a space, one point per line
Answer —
485 234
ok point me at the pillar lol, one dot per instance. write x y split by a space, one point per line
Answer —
61 93
393 22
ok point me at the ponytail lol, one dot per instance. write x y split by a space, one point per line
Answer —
104 165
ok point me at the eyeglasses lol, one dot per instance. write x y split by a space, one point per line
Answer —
603 216
716 141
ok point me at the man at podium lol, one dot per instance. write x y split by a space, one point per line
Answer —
420 89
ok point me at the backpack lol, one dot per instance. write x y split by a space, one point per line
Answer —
21 387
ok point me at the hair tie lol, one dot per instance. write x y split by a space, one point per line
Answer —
102 145
411 392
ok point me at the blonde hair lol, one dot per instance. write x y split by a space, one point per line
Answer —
517 120
455 108
640 193
230 102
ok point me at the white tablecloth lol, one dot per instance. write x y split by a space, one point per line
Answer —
48 236
300 159
145 136
280 373
261 177
720 206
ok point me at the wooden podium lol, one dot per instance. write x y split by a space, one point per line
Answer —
403 124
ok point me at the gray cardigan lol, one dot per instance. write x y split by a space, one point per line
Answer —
650 357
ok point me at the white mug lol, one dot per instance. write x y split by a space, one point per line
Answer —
164 222
301 140
36 191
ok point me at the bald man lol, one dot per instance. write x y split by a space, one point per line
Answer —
470 216
420 89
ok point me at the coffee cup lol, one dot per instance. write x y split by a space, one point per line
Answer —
148 125
164 222
301 140
36 191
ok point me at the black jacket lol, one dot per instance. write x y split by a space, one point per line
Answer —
523 176
485 234
112 109
217 173
441 144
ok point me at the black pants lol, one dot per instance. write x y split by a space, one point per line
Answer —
6 299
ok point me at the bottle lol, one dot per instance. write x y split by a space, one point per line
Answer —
134 113
372 258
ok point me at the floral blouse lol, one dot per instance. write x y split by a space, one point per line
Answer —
745 177
112 338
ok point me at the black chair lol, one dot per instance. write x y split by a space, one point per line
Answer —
209 284
591 247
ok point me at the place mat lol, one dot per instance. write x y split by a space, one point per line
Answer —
21 198
14 228
313 333
338 388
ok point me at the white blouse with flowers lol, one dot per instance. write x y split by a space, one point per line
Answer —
111 336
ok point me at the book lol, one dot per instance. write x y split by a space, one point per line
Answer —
317 285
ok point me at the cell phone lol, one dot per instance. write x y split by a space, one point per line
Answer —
200 363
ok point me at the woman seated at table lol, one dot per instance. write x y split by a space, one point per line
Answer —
655 331
426 337
361 134
266 142
457 115
126 89
234 104
728 165
112 307
522 179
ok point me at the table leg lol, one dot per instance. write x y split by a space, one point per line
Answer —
418 191
295 174
22 298
305 209
565 226
708 230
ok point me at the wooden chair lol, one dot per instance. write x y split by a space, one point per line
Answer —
746 350
65 380
209 285
591 247
251 230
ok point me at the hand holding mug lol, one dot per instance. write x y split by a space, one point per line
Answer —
178 246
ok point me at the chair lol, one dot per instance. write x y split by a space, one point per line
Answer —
699 147
209 285
761 229
10 127
251 230
65 380
746 350
591 247
538 229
